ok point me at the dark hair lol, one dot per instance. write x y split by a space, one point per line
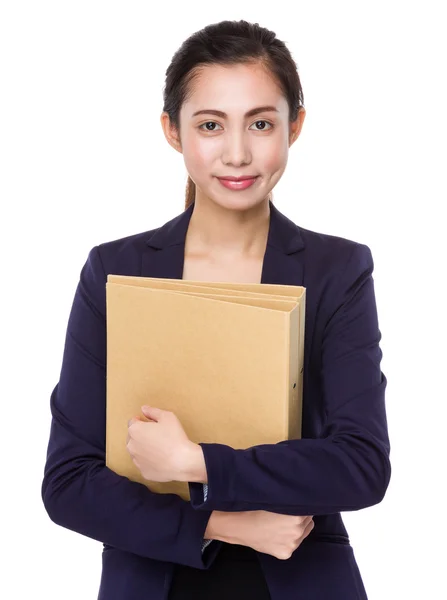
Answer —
229 43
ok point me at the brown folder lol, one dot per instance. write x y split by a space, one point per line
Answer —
226 358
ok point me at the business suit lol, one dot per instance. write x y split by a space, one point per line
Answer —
340 464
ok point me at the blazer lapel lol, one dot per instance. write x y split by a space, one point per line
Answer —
283 260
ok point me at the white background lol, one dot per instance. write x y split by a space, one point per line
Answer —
84 161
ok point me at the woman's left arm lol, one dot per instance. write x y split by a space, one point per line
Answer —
348 468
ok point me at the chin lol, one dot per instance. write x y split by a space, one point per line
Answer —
239 201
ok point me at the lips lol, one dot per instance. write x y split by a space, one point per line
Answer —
242 178
237 184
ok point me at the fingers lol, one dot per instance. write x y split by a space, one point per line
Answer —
310 525
303 520
130 422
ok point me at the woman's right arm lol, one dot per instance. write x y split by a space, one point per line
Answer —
79 492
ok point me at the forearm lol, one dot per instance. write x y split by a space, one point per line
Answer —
340 474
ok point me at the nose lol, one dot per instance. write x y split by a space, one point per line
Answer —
236 150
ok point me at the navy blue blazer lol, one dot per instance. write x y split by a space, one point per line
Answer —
340 464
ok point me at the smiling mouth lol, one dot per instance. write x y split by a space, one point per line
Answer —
238 184
243 178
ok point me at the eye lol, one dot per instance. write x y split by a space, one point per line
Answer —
262 121
214 123
207 123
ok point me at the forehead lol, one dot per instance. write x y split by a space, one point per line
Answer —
233 88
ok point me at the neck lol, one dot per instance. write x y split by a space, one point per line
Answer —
228 233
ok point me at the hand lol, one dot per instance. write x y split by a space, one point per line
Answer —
271 533
159 447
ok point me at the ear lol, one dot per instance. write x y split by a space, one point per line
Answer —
296 126
171 132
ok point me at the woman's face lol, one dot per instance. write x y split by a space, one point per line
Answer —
234 143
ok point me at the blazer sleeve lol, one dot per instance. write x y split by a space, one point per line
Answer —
79 492
348 467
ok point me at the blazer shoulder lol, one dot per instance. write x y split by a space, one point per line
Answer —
127 243
336 268
333 261
329 245
123 255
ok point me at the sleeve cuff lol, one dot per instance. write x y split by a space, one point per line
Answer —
205 544
218 493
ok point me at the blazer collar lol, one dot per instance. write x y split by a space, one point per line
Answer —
283 262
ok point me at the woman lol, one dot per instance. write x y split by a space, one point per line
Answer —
233 106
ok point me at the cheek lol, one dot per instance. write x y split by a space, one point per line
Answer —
274 156
199 153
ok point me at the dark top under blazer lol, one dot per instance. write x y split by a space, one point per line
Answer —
340 464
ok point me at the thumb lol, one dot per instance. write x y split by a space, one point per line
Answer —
151 412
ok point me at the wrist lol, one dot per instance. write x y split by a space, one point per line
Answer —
222 526
193 468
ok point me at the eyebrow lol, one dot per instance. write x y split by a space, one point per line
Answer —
250 113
